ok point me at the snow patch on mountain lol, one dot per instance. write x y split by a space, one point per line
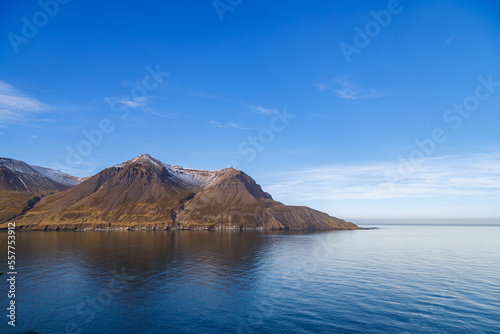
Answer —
57 176
37 175
184 176
194 176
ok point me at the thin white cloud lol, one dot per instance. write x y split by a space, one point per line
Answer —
344 89
160 113
16 106
221 98
314 116
203 95
321 86
263 110
466 176
134 104
226 125
450 38
138 102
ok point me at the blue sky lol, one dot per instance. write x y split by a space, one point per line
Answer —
272 88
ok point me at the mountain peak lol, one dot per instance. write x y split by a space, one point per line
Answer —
142 158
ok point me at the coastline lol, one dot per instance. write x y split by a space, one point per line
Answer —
84 228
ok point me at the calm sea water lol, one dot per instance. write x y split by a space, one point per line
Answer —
397 279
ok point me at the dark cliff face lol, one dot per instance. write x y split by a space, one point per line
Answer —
145 193
9 180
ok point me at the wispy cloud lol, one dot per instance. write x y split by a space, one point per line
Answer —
315 116
344 89
450 38
263 110
229 101
17 106
136 103
203 95
161 113
321 86
226 125
260 109
474 176
226 100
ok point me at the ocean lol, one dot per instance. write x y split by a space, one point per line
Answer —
395 279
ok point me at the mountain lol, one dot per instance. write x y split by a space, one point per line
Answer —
23 185
17 175
145 193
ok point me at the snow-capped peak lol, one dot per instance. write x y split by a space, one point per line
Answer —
187 176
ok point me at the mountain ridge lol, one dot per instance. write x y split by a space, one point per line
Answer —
145 193
22 176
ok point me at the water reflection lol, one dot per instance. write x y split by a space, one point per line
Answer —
176 275
433 279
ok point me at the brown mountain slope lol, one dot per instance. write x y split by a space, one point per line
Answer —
236 201
15 203
146 193
23 185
